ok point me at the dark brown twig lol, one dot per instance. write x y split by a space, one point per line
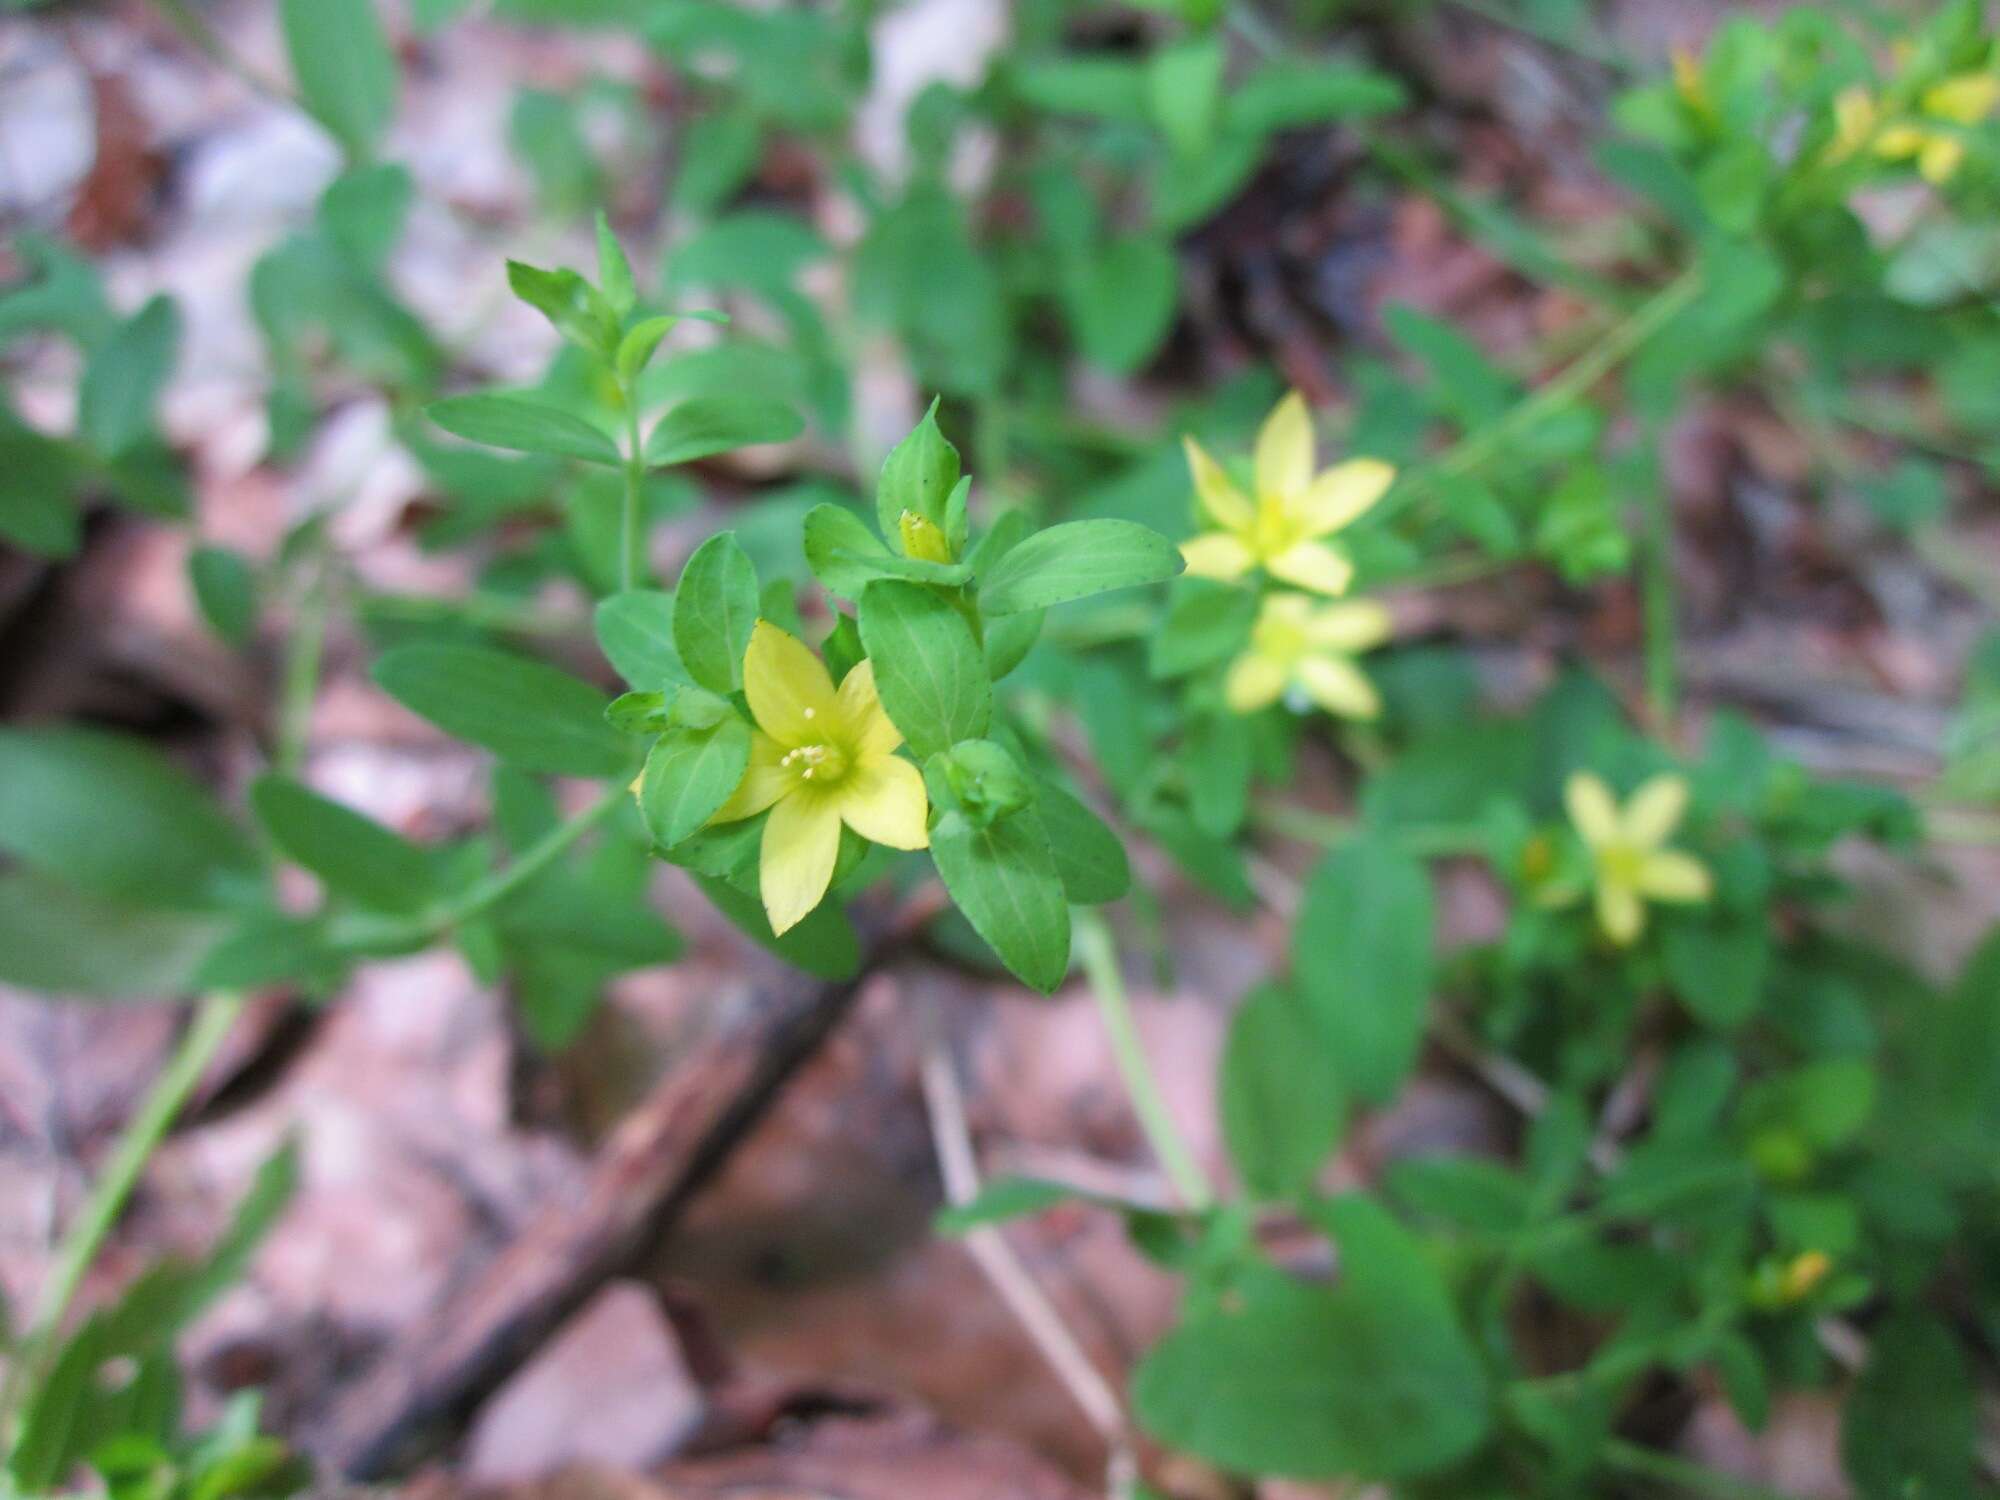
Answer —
411 1399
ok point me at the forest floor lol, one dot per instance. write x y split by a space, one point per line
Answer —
799 1329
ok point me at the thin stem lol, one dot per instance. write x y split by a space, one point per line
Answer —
1685 1475
1618 344
485 894
1425 840
1014 1283
1107 986
85 1237
300 684
631 528
1661 610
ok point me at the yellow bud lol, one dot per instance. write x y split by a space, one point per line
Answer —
1687 80
1804 1273
922 539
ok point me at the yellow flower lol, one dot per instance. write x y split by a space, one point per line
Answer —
1854 117
1299 643
1805 1272
1688 81
1959 102
1283 528
818 758
1630 864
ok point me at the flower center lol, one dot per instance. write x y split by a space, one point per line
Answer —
1273 530
1279 641
1618 864
821 764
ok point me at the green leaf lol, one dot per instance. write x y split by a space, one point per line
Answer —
841 550
1184 92
1717 968
918 475
1206 622
527 713
715 424
1089 858
1285 95
58 940
1075 560
1280 1094
1362 950
635 349
1372 1378
1911 1426
121 384
112 816
822 943
845 556
1121 301
1003 878
353 856
1001 1199
37 474
635 630
930 674
523 425
689 774
574 308
345 70
225 588
715 610
614 271
1112 88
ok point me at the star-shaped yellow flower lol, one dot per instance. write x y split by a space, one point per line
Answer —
818 758
1283 529
1310 646
1630 863
1955 104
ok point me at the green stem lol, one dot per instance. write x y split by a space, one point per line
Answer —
484 894
300 684
1425 840
1107 986
632 528
86 1234
1618 344
1661 610
1684 1475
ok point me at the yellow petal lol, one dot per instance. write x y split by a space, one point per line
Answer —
1654 810
1358 626
1284 459
1899 141
789 691
801 843
1253 682
1591 807
764 781
1854 118
1312 565
1941 157
1670 875
1343 493
1224 503
867 730
1339 687
1964 100
882 799
1620 912
1217 554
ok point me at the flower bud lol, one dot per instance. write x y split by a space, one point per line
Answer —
986 781
922 539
